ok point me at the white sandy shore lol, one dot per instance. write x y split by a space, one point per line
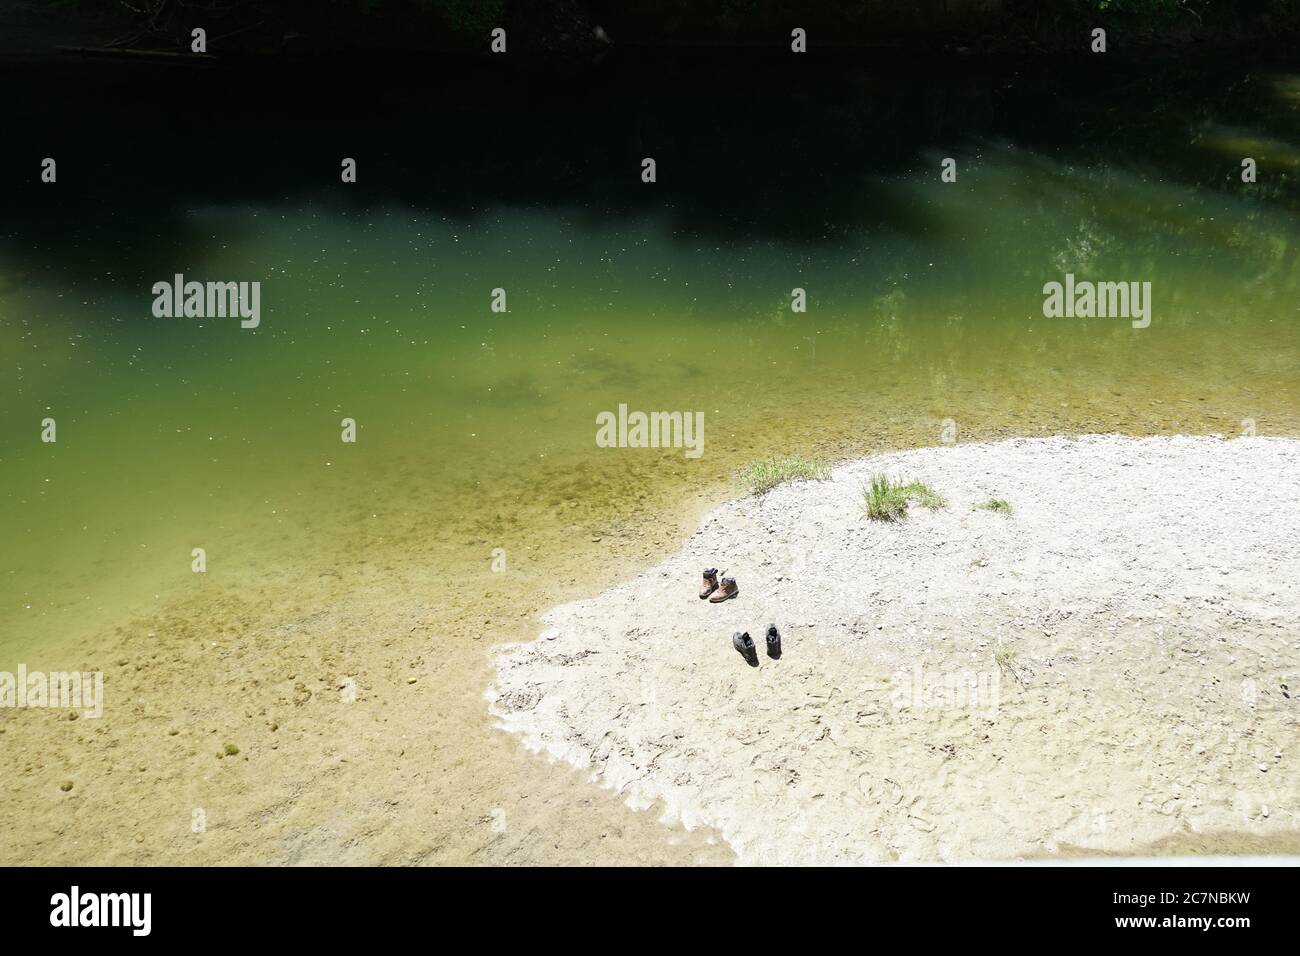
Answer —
1131 624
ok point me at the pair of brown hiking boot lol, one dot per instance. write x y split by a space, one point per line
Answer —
715 589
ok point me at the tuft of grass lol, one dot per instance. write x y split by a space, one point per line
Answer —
1006 661
887 500
924 495
1000 505
762 476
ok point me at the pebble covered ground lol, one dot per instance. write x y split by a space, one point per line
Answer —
1112 667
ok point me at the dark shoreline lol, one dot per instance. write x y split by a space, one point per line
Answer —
577 31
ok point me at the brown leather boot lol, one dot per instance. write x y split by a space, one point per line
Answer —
727 589
710 582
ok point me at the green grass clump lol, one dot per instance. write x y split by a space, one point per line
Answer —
924 495
763 476
1000 505
887 500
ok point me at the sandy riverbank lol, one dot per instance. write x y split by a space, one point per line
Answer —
1129 630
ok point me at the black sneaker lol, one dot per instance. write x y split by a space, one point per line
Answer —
742 642
773 642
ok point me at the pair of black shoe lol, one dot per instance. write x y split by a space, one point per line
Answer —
742 642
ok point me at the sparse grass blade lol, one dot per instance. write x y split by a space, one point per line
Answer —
924 495
763 476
